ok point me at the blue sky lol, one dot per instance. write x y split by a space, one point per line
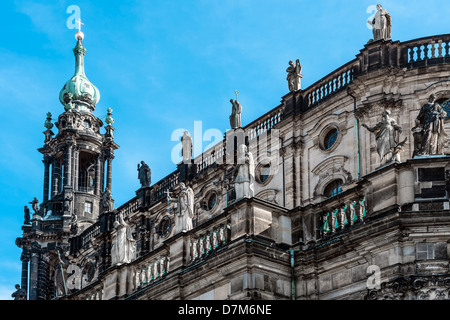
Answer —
161 66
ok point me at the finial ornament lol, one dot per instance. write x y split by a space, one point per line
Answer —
48 122
237 93
109 120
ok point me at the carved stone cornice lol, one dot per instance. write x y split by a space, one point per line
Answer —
433 287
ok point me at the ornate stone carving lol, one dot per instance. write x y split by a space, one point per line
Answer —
235 117
386 134
144 174
244 173
413 288
185 208
381 24
429 132
294 75
123 249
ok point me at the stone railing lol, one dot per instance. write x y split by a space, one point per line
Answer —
203 244
89 234
330 84
159 189
129 207
150 270
426 51
343 215
211 156
264 123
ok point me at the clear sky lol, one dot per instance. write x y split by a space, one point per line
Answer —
161 66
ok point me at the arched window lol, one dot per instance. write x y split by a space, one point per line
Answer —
333 188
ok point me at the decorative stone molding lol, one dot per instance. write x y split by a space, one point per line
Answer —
329 170
433 287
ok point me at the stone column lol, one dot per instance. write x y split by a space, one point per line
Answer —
98 176
68 165
56 176
47 162
34 273
25 258
109 173
76 166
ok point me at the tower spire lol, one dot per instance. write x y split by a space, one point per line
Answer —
79 94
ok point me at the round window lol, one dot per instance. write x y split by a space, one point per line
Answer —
263 173
212 201
330 139
164 226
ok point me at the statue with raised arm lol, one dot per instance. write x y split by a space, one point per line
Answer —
386 134
245 173
185 208
430 120
144 174
294 75
34 205
381 24
186 142
235 117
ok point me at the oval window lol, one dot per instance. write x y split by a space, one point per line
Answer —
212 201
330 138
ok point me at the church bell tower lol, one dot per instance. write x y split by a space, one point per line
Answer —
77 181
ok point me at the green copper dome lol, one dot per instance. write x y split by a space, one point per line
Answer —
79 94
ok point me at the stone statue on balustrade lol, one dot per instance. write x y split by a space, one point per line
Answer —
381 24
429 133
123 249
294 75
34 205
185 208
386 135
186 142
244 173
235 117
144 174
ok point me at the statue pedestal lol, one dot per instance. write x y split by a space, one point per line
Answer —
254 216
178 248
118 283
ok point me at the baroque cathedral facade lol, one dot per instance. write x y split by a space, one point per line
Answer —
339 192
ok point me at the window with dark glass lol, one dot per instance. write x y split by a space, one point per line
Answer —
333 188
264 173
164 226
330 138
212 201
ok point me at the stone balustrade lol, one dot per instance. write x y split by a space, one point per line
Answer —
345 214
151 270
203 244
427 51
330 84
